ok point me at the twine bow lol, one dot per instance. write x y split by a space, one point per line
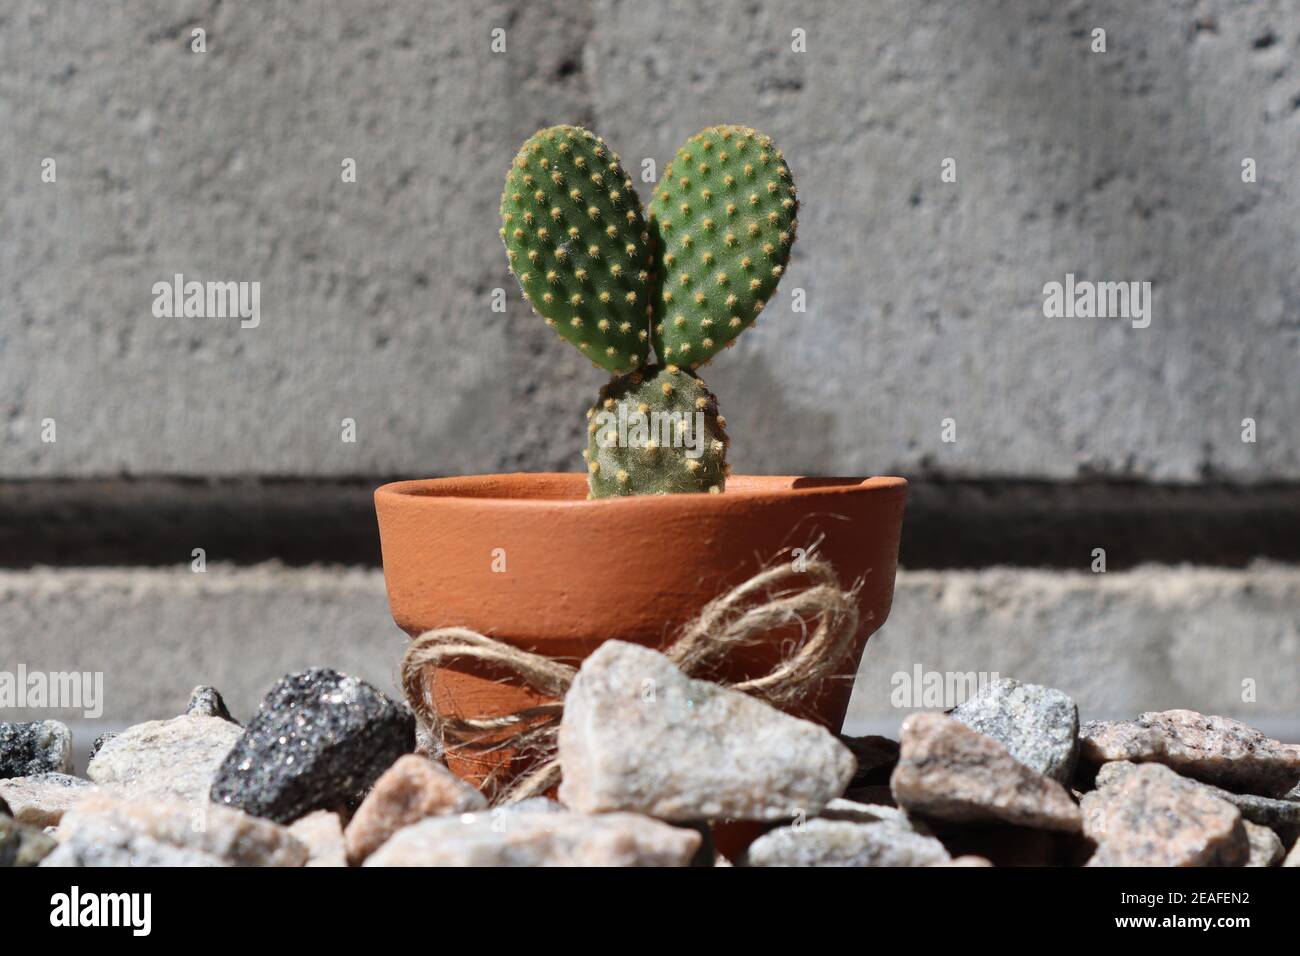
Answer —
805 592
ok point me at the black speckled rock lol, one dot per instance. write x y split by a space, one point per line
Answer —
207 702
318 741
42 747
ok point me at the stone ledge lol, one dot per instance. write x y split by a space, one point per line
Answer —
1148 639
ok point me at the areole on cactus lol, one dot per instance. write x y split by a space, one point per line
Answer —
689 280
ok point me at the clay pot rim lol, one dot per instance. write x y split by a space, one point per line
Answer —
511 491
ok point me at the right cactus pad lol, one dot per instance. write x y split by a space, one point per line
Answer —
680 446
724 218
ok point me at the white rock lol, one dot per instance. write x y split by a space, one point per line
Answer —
538 839
165 759
639 735
41 800
108 831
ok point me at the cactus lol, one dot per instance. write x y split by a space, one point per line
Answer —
690 280
723 215
579 246
655 432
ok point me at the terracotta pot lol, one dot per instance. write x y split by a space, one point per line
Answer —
580 572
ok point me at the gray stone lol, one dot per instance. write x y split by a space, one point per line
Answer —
538 839
107 831
321 832
22 845
639 735
1265 846
318 741
42 799
948 772
1218 750
165 759
207 702
1038 725
30 748
823 842
1154 817
1265 811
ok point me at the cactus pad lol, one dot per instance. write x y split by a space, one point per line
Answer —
723 217
579 245
680 446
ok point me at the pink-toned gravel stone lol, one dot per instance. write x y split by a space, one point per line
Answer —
946 771
1218 750
1265 846
411 789
321 832
1153 817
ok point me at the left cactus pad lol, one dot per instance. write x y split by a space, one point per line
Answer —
578 243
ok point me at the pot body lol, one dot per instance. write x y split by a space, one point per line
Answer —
527 559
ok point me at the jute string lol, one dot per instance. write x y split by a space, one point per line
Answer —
806 593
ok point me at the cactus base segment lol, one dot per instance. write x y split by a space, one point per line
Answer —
655 432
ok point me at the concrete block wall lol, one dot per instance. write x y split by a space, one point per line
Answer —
924 297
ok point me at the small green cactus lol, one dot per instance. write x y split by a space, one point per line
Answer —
656 431
722 221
